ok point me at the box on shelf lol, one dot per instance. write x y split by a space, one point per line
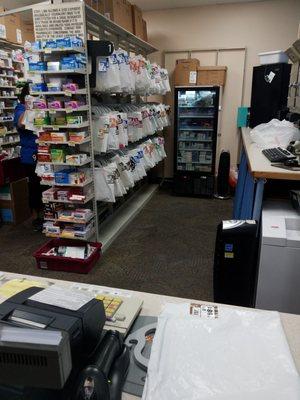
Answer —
145 32
98 5
185 72
137 21
273 57
15 209
27 31
120 12
10 27
211 76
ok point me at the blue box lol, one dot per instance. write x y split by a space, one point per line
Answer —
37 66
63 42
49 44
242 117
62 176
38 87
6 214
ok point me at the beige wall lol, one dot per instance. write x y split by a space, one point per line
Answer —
259 26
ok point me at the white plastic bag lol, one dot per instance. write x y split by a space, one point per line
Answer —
274 134
220 354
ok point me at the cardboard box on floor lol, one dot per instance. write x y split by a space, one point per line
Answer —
120 12
10 27
211 76
185 73
137 21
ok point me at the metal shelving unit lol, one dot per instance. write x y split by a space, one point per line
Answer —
8 94
100 27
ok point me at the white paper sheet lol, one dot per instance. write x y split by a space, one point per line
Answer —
70 299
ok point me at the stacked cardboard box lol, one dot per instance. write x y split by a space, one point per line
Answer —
185 73
27 31
137 21
119 11
10 27
211 76
97 5
145 33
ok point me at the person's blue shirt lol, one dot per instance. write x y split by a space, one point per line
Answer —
27 138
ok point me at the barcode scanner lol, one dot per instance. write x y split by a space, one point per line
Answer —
104 378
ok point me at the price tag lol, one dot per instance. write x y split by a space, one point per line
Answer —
48 51
55 128
69 110
204 311
68 93
52 111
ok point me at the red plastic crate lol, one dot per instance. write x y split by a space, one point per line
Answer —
67 264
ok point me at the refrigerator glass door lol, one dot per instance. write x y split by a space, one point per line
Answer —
195 129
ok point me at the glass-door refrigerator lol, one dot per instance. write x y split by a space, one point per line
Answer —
195 128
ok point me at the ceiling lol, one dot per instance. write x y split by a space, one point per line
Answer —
145 5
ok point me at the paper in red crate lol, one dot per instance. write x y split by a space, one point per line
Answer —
58 263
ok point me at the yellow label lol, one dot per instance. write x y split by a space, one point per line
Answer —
229 255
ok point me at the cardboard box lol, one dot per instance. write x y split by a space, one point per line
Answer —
145 33
27 31
185 73
137 21
10 27
211 76
98 5
120 12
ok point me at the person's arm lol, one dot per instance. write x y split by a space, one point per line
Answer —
20 123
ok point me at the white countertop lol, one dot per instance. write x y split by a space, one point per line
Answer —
259 165
154 303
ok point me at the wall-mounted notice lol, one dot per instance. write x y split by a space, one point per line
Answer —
58 20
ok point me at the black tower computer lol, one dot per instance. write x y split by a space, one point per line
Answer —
270 85
235 264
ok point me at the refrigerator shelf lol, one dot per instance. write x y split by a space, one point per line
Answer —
196 130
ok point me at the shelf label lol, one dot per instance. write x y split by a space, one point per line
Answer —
68 93
54 21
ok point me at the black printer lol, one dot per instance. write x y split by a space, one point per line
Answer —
57 352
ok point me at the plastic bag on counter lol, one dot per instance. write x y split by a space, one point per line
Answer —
214 352
274 134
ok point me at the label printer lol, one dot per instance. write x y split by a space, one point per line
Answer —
57 352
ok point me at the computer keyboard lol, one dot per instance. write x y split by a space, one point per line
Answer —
111 306
278 154
121 308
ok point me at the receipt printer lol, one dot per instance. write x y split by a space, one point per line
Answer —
51 342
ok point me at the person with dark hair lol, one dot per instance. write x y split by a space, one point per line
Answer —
28 159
